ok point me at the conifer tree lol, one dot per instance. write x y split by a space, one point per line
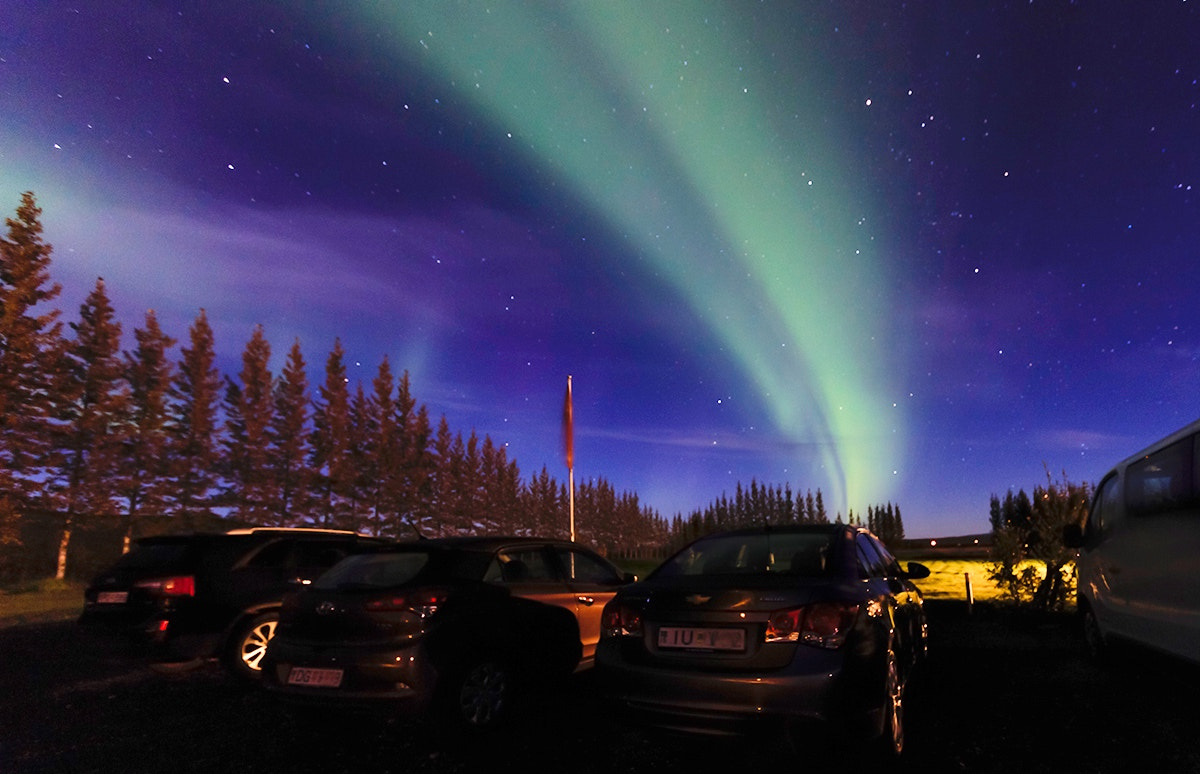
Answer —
358 512
231 460
420 467
291 441
470 483
540 502
444 496
93 404
415 463
789 505
250 410
331 464
501 490
194 447
31 344
595 503
142 470
379 467
458 474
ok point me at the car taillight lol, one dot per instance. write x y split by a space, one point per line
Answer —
619 620
423 602
174 586
824 624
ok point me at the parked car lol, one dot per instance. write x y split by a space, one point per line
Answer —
452 625
1139 576
205 595
796 626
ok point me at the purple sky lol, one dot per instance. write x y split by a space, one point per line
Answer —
915 255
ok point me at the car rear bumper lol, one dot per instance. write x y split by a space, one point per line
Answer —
158 633
401 677
807 690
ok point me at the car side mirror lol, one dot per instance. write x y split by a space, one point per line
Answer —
917 571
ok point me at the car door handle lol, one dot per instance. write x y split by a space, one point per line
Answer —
586 600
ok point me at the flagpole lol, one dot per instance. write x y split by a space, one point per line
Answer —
569 446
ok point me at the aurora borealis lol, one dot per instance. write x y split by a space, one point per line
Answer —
897 254
767 270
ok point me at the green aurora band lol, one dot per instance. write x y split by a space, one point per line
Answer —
722 173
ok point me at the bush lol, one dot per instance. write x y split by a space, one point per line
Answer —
1029 561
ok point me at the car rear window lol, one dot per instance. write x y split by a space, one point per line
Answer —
793 554
382 571
151 555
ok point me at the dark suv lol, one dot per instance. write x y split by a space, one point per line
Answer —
204 595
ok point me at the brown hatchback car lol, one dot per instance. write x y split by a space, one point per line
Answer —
453 625
800 626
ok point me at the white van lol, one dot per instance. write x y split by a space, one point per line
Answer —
1139 559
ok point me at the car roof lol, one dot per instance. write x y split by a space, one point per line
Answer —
1184 432
292 531
259 532
487 542
783 529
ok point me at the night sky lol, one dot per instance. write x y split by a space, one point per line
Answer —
915 252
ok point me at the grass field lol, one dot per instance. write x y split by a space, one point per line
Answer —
45 601
948 579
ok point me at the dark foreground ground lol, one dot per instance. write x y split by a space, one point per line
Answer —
998 695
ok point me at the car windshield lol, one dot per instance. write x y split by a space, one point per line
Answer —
798 554
383 570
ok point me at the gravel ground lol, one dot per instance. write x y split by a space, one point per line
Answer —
998 694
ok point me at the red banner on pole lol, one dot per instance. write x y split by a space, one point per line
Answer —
569 428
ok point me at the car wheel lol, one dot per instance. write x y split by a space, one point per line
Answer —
892 739
1093 637
480 694
249 644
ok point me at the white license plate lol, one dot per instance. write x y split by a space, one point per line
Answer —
315 678
694 638
112 597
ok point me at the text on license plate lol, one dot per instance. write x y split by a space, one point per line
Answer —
112 597
315 678
692 638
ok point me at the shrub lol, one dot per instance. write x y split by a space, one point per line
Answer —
1029 561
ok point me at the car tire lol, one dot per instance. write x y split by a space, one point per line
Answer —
248 645
478 695
891 740
1094 643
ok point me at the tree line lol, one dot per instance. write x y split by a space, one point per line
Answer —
775 505
87 429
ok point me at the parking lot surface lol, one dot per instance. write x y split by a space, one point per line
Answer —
998 694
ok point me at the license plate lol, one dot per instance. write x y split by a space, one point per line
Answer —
693 638
112 597
315 678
